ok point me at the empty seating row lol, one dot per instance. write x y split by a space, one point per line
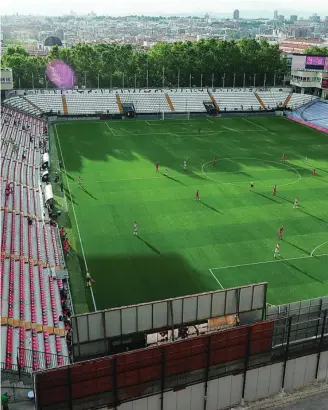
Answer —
23 104
272 99
156 100
297 100
146 102
30 295
236 101
91 104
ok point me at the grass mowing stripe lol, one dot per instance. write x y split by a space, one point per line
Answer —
181 238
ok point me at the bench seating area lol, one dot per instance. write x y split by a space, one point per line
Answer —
30 256
104 101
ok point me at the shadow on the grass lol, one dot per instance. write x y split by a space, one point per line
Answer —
70 196
295 246
158 145
313 216
88 193
128 279
175 180
149 245
210 207
266 197
292 265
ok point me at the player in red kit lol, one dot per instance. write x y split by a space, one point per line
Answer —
283 158
314 173
197 195
157 165
281 232
274 190
214 161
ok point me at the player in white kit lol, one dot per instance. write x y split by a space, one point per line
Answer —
295 203
135 228
185 164
276 251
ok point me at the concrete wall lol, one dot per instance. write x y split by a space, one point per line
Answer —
226 392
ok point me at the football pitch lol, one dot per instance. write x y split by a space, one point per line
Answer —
186 246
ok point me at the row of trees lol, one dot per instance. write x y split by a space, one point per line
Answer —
181 64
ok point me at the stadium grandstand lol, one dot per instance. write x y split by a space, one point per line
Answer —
118 291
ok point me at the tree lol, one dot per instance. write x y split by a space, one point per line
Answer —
186 62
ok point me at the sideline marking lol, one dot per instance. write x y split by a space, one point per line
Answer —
210 120
77 225
216 279
147 122
319 246
256 159
111 130
270 261
254 123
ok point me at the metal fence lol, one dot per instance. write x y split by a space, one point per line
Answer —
128 376
44 361
94 332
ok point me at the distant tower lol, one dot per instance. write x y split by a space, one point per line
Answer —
236 15
275 15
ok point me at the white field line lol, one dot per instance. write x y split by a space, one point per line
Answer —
230 129
265 262
74 213
110 129
125 130
217 280
254 123
319 246
256 159
210 120
85 182
147 122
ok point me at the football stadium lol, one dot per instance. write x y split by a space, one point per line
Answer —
166 247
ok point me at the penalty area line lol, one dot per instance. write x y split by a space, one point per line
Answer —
270 261
216 279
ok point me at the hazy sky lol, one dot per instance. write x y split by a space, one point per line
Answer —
153 7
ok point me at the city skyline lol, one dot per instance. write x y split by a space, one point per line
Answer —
248 8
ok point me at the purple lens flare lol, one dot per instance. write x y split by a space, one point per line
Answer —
60 74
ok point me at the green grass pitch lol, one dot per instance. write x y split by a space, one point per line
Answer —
185 246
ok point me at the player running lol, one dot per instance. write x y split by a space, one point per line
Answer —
156 166
79 182
251 187
281 232
314 173
276 250
306 161
274 190
185 164
214 161
295 206
283 158
135 228
197 195
199 131
165 172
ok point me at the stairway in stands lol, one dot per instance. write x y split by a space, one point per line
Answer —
65 107
169 102
119 103
259 99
